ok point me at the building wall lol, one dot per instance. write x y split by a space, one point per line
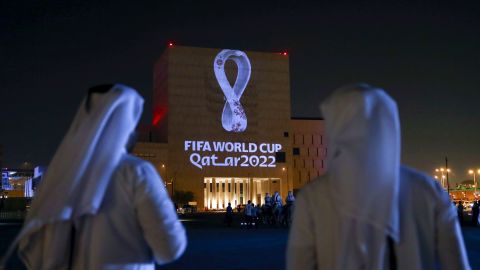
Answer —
309 150
188 104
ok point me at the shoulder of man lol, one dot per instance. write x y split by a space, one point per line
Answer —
317 188
134 167
423 187
418 179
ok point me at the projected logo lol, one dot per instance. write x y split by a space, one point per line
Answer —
234 118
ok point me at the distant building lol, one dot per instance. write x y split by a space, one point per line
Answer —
222 127
14 180
1 156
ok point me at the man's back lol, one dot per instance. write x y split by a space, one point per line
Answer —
136 224
429 231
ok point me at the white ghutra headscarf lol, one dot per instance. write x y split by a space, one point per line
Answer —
80 171
363 161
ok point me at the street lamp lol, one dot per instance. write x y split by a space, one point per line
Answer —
443 175
474 180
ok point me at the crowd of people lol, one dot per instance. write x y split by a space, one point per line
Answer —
461 213
273 211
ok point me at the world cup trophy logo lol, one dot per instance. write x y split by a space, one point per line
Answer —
234 118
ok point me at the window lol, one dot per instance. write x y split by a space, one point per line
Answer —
285 134
223 187
296 151
218 187
280 157
211 187
229 187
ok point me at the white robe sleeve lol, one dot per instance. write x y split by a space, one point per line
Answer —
162 230
451 250
301 241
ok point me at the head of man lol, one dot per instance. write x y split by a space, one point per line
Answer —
363 141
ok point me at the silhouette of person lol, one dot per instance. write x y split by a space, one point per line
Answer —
460 209
364 212
229 215
99 207
475 212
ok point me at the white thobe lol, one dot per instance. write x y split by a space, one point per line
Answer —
136 225
430 235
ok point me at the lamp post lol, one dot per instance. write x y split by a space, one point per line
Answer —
285 169
474 180
443 172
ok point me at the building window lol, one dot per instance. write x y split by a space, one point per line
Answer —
223 187
218 187
241 189
211 187
280 157
296 151
285 134
229 187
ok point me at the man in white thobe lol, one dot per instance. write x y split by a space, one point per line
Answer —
368 211
99 207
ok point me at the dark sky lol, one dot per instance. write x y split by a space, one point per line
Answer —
425 55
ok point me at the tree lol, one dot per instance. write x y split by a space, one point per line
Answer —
183 197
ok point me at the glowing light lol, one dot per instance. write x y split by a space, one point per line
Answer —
170 44
285 53
234 118
158 115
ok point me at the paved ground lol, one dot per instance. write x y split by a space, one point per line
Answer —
213 246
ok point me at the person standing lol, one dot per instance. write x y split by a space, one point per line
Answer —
475 212
229 215
364 212
248 214
460 209
98 207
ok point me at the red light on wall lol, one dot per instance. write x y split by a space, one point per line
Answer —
170 44
285 53
158 115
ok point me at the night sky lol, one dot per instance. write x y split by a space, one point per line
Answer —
425 55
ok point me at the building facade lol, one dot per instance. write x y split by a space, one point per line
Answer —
222 127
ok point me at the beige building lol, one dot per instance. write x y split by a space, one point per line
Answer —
222 127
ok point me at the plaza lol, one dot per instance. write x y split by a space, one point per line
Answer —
212 245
